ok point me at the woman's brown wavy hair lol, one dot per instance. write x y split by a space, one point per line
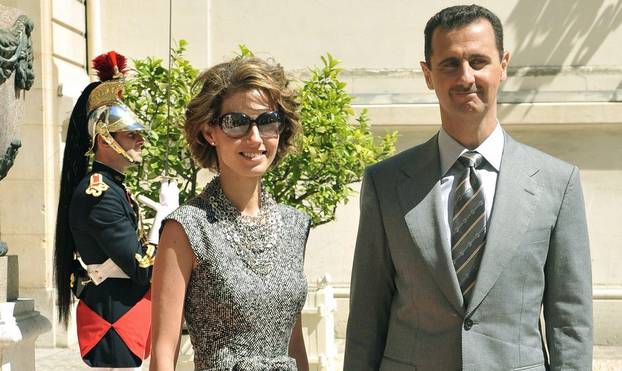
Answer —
219 82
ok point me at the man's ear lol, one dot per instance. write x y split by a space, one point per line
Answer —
505 62
427 74
100 141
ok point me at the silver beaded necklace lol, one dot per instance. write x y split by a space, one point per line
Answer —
254 238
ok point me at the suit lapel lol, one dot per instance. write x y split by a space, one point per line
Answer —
420 198
516 197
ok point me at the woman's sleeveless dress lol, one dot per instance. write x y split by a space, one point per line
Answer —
245 295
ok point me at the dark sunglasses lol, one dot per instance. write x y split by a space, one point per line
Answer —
238 125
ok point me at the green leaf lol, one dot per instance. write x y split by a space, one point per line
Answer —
333 153
245 51
333 150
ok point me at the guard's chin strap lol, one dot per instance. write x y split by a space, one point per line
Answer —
117 148
107 137
100 128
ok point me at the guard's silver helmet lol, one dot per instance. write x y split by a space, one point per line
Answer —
106 111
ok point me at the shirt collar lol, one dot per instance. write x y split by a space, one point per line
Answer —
110 172
450 150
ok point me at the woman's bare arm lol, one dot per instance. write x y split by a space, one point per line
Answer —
171 272
297 348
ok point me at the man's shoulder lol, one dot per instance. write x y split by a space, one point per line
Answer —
545 161
93 188
399 160
550 172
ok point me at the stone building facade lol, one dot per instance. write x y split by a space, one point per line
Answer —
564 96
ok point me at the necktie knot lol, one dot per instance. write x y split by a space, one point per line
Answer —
471 159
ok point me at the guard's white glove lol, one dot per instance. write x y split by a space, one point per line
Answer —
169 201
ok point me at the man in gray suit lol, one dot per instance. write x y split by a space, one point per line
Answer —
464 239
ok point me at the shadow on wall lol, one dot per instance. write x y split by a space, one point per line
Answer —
590 147
556 33
562 32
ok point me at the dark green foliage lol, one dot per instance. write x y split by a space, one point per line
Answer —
333 151
165 151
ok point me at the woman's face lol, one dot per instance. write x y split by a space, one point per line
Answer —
250 155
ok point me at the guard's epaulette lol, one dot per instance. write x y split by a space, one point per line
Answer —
147 260
96 185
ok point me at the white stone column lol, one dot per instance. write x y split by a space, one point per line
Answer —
93 30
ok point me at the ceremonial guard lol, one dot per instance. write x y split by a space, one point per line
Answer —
101 251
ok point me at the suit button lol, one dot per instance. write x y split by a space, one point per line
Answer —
468 323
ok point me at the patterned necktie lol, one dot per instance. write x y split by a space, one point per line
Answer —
468 232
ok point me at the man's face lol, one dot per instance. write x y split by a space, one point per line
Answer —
465 70
132 142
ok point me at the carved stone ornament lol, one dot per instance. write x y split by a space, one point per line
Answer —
6 161
15 56
16 53
16 74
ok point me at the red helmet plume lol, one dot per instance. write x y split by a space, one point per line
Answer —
110 65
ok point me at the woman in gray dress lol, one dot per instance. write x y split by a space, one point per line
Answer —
231 259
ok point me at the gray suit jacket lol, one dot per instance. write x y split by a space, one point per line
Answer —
406 308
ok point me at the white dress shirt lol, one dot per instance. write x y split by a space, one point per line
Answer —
450 150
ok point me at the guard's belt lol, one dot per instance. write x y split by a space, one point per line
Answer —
108 269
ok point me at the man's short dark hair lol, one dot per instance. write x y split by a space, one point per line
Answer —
459 16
